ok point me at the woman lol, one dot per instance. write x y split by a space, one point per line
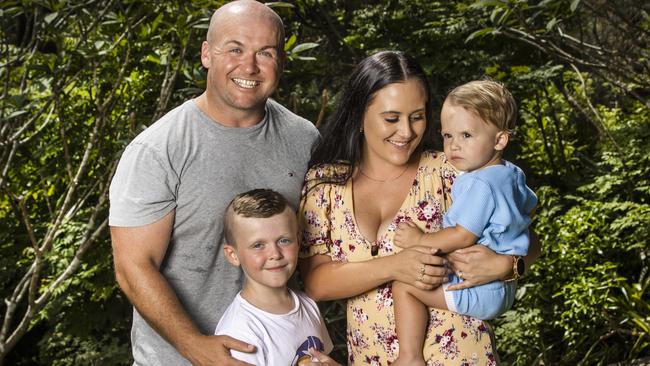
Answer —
371 171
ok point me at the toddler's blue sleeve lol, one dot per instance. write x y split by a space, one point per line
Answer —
472 206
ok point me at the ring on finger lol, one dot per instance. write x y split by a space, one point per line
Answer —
460 274
421 277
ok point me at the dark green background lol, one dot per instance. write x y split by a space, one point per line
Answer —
80 79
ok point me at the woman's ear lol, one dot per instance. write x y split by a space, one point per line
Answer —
231 254
501 140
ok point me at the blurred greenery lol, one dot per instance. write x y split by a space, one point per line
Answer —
81 79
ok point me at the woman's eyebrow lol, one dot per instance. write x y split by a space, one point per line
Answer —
398 112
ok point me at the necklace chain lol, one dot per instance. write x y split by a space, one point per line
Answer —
383 180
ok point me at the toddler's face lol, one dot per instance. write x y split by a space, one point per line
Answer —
469 142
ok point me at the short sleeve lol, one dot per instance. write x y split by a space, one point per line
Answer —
472 206
314 313
328 346
143 189
530 199
314 216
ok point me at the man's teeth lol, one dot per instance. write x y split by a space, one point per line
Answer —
248 84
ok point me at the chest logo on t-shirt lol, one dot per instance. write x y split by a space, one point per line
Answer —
303 356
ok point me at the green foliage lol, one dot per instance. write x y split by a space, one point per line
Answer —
593 274
81 80
79 84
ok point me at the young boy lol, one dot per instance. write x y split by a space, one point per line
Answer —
491 205
262 237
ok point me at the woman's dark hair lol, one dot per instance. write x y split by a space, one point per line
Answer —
342 140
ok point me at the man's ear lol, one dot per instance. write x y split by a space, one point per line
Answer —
501 140
231 254
205 54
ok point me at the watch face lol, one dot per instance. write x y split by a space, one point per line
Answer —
521 266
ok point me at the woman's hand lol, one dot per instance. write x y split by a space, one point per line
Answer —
420 267
478 265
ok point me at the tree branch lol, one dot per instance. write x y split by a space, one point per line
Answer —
169 80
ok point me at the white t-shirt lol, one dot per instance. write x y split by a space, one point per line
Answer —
281 339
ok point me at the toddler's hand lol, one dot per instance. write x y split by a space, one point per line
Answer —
407 235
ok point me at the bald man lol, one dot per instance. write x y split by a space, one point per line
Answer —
176 178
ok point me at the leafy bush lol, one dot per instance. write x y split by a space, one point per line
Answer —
78 84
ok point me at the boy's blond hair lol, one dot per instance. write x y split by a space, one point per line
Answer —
257 203
490 100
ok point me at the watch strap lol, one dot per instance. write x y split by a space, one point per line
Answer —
518 267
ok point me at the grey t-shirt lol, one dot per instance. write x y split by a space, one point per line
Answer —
186 161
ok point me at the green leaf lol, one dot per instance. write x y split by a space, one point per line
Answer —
50 17
16 114
290 42
574 5
486 3
279 4
153 58
304 47
480 33
156 22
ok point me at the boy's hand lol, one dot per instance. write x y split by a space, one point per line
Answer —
321 359
407 235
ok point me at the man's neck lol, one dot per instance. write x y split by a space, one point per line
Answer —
228 116
271 300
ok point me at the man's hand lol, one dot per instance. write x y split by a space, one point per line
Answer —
407 235
215 350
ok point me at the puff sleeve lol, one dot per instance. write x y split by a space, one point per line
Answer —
314 216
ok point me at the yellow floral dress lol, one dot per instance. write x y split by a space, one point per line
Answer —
329 228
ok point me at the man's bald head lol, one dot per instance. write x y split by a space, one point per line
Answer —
250 9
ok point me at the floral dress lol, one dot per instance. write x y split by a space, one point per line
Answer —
329 228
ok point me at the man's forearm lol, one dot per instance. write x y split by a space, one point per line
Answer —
138 253
155 300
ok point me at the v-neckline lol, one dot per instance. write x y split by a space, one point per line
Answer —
350 194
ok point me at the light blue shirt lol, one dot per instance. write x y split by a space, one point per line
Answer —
494 204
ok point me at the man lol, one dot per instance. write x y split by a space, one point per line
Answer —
176 178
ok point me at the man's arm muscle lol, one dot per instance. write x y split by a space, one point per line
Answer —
138 253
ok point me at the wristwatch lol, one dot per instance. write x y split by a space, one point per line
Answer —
518 268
